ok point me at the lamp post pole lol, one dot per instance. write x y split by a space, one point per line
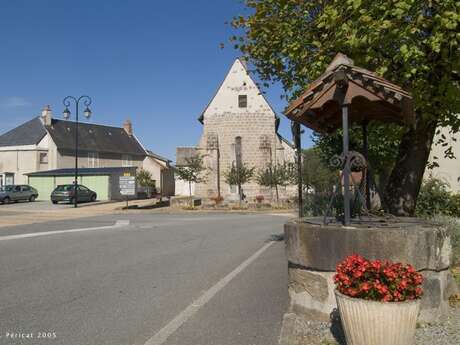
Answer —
86 100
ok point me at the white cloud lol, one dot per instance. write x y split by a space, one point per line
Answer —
14 102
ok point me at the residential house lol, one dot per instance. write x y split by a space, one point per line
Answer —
162 172
45 143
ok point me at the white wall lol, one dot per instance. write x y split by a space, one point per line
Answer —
449 169
182 188
20 160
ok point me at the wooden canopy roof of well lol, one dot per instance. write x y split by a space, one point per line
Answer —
369 97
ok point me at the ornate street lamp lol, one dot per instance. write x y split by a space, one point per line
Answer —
86 100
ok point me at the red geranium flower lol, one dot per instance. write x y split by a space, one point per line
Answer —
377 280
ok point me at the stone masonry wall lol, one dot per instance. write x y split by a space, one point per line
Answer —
260 144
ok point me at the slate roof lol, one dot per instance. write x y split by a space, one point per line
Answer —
29 133
96 138
161 158
82 171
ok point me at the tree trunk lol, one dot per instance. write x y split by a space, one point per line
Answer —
190 193
277 195
404 183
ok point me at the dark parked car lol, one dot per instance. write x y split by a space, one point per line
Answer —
66 193
17 193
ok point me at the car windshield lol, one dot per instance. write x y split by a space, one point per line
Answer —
64 188
6 189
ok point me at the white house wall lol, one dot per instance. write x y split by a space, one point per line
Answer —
449 169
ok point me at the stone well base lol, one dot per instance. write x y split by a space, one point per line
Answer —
313 250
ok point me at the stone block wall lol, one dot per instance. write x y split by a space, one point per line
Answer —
313 251
260 145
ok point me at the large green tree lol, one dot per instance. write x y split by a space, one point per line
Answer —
414 43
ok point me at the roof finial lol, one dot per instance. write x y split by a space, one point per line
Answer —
339 59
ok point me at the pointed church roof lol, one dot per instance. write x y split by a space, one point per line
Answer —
245 67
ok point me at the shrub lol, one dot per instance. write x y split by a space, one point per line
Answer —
377 281
435 199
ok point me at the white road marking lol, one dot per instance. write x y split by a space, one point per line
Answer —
161 336
118 224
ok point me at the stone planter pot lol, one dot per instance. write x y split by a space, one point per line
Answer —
377 323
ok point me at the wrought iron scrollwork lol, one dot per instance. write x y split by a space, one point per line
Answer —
357 161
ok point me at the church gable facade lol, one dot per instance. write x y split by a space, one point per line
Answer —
240 117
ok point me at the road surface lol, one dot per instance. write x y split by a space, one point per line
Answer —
190 279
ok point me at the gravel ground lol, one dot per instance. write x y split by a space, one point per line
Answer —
446 333
297 331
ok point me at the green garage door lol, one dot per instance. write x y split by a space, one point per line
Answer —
99 184
44 185
65 180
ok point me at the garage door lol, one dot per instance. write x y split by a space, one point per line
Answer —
44 185
99 184
65 180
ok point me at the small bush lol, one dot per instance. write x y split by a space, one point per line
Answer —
315 204
436 199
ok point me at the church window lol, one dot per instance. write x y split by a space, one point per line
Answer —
242 101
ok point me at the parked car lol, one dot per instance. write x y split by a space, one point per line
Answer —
66 192
16 193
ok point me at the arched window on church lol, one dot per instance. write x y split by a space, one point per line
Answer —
237 149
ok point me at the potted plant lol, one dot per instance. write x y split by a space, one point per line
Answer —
259 198
378 301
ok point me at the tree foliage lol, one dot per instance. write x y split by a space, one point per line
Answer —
276 175
436 199
238 176
383 147
316 175
144 179
235 176
414 43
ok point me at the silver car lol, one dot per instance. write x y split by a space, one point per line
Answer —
17 193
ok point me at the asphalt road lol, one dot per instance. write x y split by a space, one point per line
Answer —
164 279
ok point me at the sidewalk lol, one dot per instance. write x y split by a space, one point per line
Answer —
12 217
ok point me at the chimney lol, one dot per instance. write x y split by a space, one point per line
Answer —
47 115
128 127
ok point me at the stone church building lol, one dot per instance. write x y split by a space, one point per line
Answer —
239 119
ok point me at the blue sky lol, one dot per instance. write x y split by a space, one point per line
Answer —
155 62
